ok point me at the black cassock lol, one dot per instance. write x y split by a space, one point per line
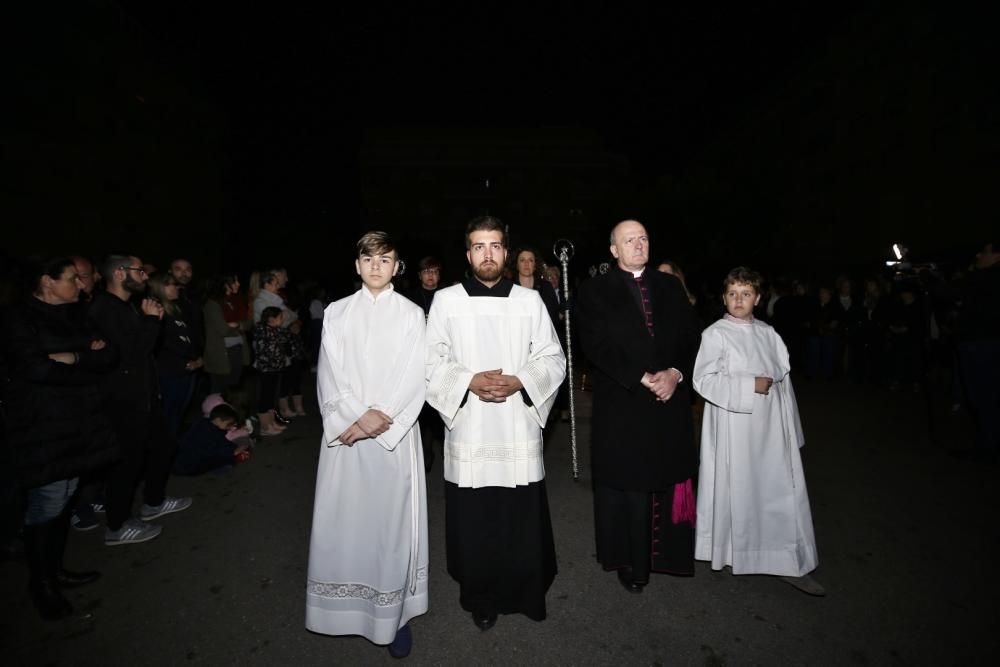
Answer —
643 451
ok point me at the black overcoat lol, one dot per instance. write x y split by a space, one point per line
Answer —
132 385
56 427
638 443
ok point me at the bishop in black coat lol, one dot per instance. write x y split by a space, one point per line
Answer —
641 336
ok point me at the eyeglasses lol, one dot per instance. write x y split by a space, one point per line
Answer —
141 270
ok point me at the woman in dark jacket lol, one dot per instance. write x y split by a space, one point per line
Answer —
55 428
177 358
528 266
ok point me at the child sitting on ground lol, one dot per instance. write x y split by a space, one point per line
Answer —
205 447
753 509
243 433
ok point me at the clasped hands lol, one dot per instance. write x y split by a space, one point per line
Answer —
493 386
762 385
662 383
152 307
372 423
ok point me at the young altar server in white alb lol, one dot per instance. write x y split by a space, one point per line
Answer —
753 508
494 367
368 551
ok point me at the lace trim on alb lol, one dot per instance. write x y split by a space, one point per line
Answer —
378 598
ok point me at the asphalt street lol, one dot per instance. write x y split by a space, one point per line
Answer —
907 542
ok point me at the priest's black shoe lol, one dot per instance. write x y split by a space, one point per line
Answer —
627 582
70 579
49 600
484 621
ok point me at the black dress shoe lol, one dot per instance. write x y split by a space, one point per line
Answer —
49 600
484 621
627 582
69 579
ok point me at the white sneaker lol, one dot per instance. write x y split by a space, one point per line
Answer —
131 532
169 505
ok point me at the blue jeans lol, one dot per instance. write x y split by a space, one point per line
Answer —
47 502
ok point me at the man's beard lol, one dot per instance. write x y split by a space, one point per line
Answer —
133 286
487 273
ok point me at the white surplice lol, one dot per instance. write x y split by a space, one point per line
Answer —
753 508
492 444
368 550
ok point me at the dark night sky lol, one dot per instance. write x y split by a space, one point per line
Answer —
651 79
290 92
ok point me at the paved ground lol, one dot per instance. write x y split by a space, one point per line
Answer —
907 537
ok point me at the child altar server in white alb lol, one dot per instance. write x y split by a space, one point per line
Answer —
368 550
753 508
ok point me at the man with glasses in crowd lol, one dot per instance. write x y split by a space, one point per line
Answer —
133 404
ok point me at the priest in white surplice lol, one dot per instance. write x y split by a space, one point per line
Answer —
753 508
494 366
368 551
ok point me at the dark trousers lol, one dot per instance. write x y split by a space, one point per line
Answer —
11 501
218 384
500 548
822 356
634 530
267 393
431 430
624 521
176 391
147 455
291 380
980 360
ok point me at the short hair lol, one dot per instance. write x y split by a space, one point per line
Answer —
112 263
429 262
53 267
741 275
485 223
224 412
375 243
269 275
611 234
80 258
269 314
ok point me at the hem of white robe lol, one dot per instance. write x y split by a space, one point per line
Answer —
381 631
780 562
510 474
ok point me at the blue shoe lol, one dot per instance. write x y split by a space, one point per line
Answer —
401 645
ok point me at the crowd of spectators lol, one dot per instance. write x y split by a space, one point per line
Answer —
117 375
